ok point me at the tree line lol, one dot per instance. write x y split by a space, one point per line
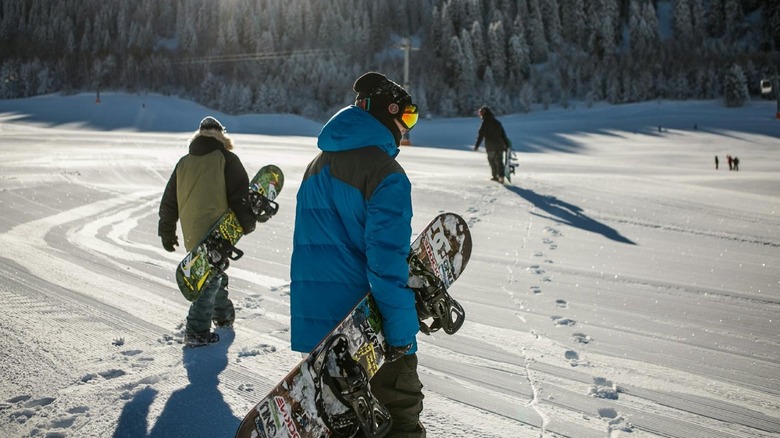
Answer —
301 56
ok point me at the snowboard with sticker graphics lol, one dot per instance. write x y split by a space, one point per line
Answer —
510 163
304 405
213 253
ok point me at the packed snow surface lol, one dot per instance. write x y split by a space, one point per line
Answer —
621 286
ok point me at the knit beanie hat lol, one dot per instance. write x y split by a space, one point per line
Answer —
211 123
382 93
210 127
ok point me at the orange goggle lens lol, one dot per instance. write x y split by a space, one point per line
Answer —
409 116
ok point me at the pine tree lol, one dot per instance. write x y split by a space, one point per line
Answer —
497 51
573 26
537 41
682 21
735 90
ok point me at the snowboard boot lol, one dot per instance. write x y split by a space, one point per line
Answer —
348 382
224 323
194 340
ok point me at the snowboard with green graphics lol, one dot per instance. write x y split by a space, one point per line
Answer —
327 393
213 253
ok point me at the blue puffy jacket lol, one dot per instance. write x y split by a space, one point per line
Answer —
352 233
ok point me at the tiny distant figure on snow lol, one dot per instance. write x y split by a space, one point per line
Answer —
716 162
736 164
731 162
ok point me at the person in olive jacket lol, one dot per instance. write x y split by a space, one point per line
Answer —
496 142
204 184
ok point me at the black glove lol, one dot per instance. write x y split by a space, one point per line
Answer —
395 353
249 227
170 242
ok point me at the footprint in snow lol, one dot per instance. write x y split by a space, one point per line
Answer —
259 350
246 387
616 424
282 290
561 321
582 338
603 388
252 302
536 290
562 304
27 407
574 358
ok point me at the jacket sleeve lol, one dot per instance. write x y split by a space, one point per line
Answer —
237 185
169 209
480 135
388 234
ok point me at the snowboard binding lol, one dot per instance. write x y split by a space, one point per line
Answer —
221 252
433 301
262 207
348 382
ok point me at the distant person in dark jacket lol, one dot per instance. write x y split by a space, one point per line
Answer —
496 142
205 183
352 236
716 162
736 164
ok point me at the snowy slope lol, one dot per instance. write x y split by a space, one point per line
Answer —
621 287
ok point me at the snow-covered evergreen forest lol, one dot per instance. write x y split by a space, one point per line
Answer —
301 56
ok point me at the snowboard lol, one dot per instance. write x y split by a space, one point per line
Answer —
307 403
510 162
213 253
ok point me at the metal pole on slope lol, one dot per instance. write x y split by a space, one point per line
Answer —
777 95
406 46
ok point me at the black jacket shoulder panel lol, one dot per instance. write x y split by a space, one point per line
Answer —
363 168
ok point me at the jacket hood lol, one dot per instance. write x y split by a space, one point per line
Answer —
202 145
353 128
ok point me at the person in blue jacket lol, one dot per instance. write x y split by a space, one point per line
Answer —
352 235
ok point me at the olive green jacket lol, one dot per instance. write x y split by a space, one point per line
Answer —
205 183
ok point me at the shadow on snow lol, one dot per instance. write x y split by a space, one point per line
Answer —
197 410
565 213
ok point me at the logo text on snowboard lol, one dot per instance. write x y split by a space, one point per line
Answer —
288 421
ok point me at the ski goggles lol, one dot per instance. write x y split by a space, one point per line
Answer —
409 116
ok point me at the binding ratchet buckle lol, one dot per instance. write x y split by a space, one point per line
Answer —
433 301
262 207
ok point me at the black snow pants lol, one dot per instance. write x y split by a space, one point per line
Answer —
397 386
496 160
